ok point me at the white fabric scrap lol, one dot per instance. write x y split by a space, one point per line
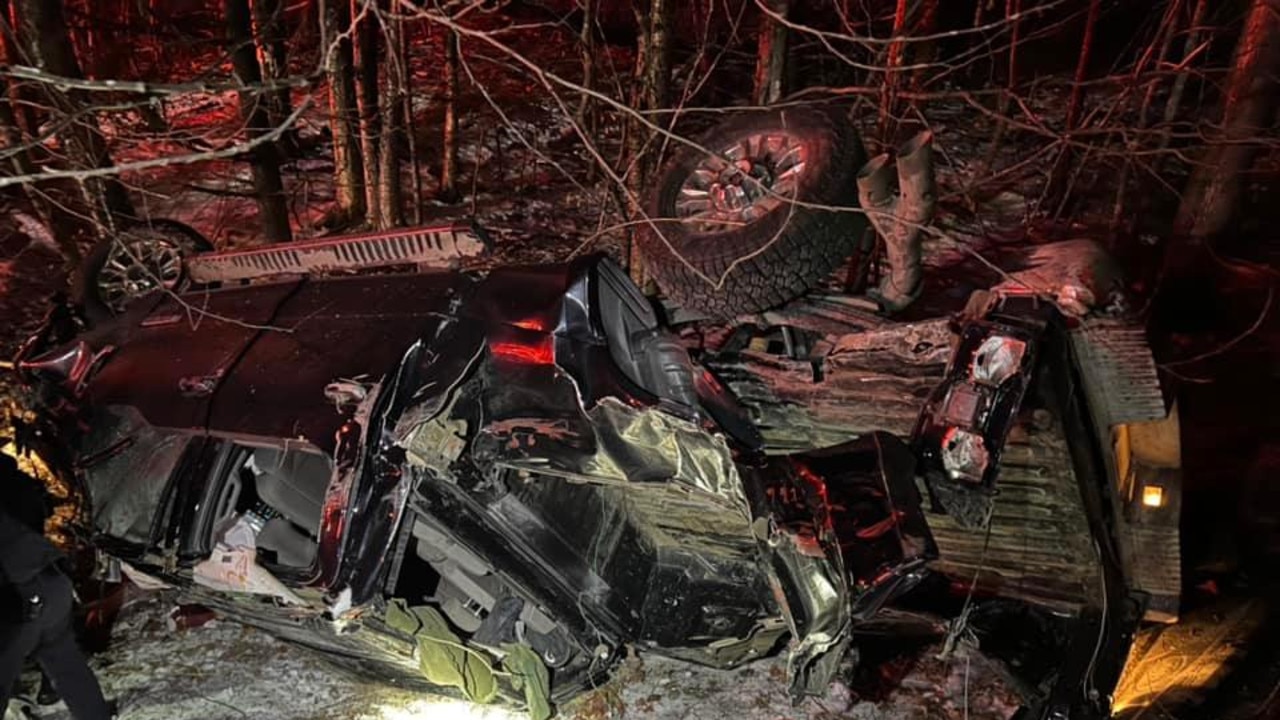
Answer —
141 579
233 567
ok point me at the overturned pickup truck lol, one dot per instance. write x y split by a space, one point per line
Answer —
433 475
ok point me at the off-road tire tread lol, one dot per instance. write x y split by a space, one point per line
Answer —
811 245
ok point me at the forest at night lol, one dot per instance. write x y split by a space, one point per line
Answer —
875 359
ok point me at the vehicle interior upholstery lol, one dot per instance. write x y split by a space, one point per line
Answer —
284 490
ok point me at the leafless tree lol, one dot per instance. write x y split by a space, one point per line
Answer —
62 223
394 124
368 46
43 33
771 55
344 120
270 33
449 133
264 158
1212 197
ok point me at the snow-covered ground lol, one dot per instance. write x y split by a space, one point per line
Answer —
226 671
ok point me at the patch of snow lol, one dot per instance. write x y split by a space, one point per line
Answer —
36 230
227 671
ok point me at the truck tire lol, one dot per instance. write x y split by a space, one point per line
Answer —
162 246
729 216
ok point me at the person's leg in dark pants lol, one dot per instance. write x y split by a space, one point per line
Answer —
61 658
17 642
46 695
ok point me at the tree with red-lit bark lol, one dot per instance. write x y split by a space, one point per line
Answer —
391 141
368 45
264 157
587 47
1212 196
273 57
449 159
893 61
926 52
21 96
344 118
47 45
651 92
61 222
771 54
1061 176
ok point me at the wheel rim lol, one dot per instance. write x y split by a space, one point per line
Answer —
747 181
135 267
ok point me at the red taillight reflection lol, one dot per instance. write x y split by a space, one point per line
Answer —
540 352
531 323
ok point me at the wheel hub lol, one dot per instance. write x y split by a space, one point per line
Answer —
744 183
136 267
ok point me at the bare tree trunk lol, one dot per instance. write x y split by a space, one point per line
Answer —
1156 53
586 43
390 161
271 32
1212 197
658 64
11 55
889 88
1012 8
48 47
1082 66
63 225
634 132
926 51
367 94
449 161
771 55
21 95
1059 188
406 105
264 158
1180 83
653 70
344 122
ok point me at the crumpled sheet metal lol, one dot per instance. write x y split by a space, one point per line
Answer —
436 442
632 446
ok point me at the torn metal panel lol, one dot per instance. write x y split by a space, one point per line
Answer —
873 380
590 481
629 446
